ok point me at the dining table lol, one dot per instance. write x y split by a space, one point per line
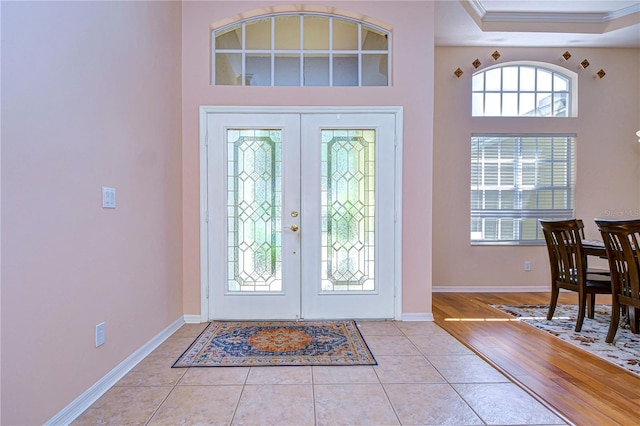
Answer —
594 248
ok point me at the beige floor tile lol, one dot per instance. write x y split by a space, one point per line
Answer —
279 375
406 369
439 344
190 330
418 328
466 369
154 370
280 405
505 404
325 375
208 376
198 405
353 404
124 406
430 404
379 328
391 345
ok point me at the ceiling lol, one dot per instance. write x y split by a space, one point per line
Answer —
535 23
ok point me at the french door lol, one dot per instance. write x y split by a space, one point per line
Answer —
299 215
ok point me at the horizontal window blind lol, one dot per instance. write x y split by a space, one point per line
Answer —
516 180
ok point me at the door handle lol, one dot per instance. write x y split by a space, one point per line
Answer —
294 228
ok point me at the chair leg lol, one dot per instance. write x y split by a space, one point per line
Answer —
615 321
553 302
634 319
591 299
582 307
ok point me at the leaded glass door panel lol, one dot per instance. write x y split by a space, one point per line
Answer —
302 222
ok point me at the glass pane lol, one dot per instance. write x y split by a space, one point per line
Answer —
544 80
287 32
510 78
560 83
544 104
316 70
492 105
287 70
345 35
527 104
228 69
477 106
560 103
316 32
493 79
348 210
345 70
254 210
373 39
230 38
258 34
510 104
258 70
375 70
477 82
527 79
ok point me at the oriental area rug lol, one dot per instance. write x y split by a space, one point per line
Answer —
274 343
624 351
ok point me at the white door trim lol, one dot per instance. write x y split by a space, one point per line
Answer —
204 214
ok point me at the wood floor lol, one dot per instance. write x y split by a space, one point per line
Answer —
580 386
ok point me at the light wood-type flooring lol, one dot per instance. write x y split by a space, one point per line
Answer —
584 388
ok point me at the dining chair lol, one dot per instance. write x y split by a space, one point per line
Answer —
590 270
569 268
621 238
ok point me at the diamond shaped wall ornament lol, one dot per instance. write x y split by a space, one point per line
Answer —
458 72
584 64
495 55
601 73
566 55
476 63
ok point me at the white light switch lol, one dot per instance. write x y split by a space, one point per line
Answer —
108 197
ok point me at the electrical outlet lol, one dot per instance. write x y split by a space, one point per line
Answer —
527 266
108 198
100 334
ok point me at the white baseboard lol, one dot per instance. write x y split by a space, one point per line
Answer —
494 289
192 319
91 395
417 317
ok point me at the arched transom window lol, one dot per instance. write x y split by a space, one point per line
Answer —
301 50
523 90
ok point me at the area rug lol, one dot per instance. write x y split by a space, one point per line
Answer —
273 343
624 351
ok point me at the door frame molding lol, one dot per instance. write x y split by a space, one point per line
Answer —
205 110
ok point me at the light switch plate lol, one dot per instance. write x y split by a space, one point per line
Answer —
108 197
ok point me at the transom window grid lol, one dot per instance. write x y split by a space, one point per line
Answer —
516 180
520 91
301 50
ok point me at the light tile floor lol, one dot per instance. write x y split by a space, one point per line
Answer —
424 376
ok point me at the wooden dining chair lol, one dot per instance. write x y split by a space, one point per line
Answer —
590 270
621 238
569 268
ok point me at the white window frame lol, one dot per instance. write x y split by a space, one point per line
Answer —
360 52
568 75
514 209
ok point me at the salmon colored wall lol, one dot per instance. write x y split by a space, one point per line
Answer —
412 26
608 159
90 98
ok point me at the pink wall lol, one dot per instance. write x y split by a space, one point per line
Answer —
90 98
412 26
608 158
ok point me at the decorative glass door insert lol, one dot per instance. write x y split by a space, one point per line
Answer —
348 209
254 210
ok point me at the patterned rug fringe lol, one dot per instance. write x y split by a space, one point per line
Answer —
277 343
624 351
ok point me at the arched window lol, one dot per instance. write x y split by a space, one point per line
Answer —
302 49
525 89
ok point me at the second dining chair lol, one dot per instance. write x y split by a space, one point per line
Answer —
569 267
621 239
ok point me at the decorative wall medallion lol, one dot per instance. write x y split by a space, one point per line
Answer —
495 55
601 73
584 64
476 63
458 72
566 55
